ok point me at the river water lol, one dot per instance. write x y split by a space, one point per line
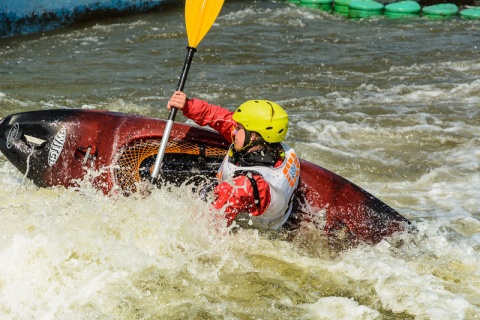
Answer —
392 105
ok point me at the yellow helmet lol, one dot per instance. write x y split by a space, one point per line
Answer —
265 117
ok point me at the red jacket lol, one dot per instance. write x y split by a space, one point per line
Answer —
238 197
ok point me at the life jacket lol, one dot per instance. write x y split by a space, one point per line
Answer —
283 181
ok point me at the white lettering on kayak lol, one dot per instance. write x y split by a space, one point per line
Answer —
57 147
12 135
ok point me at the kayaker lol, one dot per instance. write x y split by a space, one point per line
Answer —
259 175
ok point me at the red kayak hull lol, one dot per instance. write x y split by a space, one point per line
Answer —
58 148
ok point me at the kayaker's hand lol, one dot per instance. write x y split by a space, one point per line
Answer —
177 100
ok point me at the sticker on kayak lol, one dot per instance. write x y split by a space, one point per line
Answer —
12 135
57 146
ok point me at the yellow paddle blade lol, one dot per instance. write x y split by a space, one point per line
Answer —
199 17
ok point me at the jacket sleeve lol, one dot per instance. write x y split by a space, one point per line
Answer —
216 117
239 197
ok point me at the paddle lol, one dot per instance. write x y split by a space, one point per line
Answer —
199 17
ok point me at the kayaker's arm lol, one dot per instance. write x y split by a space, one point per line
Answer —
204 114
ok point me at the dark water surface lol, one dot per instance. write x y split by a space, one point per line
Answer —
393 105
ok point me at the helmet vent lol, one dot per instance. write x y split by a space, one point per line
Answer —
268 128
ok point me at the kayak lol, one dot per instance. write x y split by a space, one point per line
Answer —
59 147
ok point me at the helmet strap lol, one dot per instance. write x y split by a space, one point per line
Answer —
259 141
264 156
247 142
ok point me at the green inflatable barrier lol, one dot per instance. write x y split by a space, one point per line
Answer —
341 7
402 9
471 13
364 8
325 5
440 11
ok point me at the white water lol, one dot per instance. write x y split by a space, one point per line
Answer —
392 106
77 254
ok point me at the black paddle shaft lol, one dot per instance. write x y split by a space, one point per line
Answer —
183 78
